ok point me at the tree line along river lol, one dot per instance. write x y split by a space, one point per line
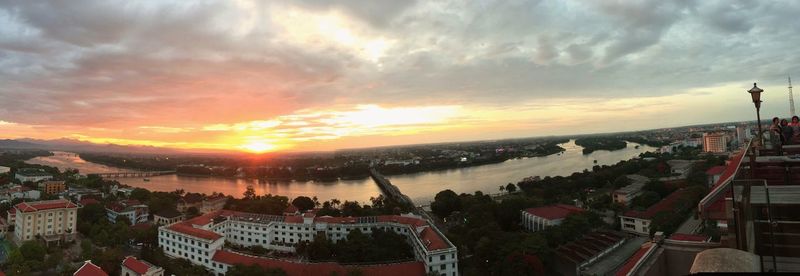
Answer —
420 187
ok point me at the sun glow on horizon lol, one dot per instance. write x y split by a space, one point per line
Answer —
258 147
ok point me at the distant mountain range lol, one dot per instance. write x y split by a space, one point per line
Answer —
73 145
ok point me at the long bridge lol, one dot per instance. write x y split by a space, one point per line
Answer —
133 174
391 191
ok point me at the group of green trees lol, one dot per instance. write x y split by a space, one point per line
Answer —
594 143
358 247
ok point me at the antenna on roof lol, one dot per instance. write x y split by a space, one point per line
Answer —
791 97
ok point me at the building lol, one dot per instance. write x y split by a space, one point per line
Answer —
663 257
714 174
89 269
135 211
743 134
200 241
18 191
4 170
135 267
539 218
52 187
574 256
715 142
625 194
167 217
638 222
204 204
32 175
53 220
680 168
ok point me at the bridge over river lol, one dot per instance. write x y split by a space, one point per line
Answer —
391 191
133 174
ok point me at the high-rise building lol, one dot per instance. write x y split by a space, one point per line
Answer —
715 142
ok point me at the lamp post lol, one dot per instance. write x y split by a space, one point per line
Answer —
755 93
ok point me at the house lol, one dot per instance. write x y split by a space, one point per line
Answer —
4 169
32 175
89 269
536 219
135 267
135 211
167 217
18 191
78 193
680 168
575 256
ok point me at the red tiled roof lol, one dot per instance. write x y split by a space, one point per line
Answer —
136 265
340 220
290 209
628 266
558 211
88 201
206 218
89 269
688 237
415 222
195 232
293 268
432 240
716 170
44 205
664 205
293 219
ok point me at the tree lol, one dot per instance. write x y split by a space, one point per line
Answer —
33 250
242 270
445 202
192 212
511 188
303 203
645 199
140 194
502 188
250 192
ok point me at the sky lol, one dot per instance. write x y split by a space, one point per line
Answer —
312 75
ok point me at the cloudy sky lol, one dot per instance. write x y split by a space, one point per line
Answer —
320 75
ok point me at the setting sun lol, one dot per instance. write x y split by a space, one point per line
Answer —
258 147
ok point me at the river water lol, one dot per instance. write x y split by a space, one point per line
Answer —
421 187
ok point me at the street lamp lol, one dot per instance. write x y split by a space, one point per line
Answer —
755 93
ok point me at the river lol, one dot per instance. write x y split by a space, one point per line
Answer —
421 187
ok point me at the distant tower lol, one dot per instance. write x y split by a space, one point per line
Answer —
791 97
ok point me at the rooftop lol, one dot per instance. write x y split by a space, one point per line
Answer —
665 204
688 237
136 265
89 269
631 263
169 213
187 229
558 211
44 205
327 268
716 170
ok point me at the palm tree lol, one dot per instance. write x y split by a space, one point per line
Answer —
502 188
335 202
316 201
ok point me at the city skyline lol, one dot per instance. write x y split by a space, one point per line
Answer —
314 75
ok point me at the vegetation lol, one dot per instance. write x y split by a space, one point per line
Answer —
358 247
591 144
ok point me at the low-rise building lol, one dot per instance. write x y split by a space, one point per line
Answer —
539 218
204 204
200 240
135 211
572 257
32 175
79 193
167 217
18 191
626 194
638 222
680 168
89 269
135 267
53 220
52 187
714 174
4 170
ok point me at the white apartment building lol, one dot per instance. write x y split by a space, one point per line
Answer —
135 211
200 238
4 169
31 175
539 218
715 142
635 225
53 220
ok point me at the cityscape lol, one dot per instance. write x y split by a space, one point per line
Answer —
448 138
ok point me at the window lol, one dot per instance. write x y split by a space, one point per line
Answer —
442 257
